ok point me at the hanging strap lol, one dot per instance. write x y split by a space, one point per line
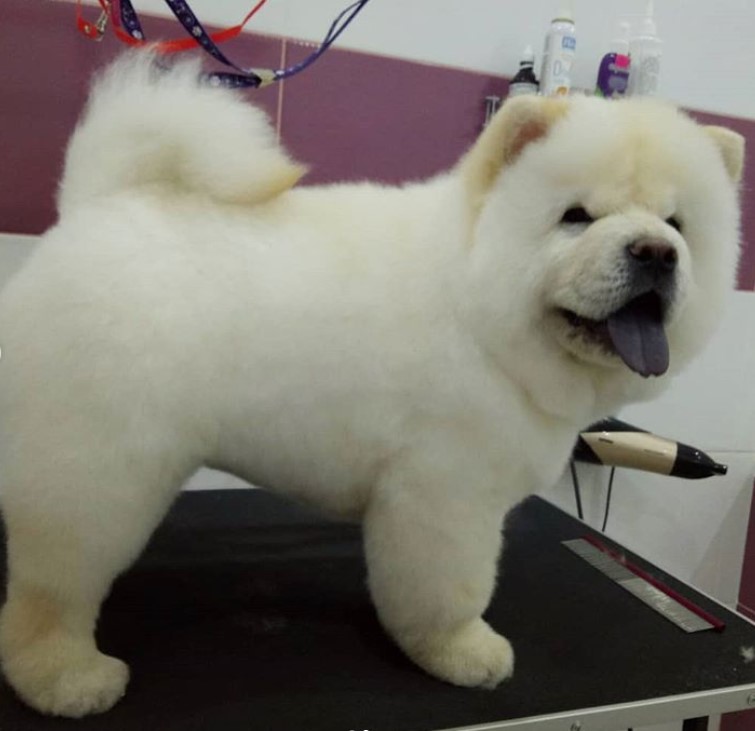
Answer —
129 30
267 76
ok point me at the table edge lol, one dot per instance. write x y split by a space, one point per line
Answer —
633 714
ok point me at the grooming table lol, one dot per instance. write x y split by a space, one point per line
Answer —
247 613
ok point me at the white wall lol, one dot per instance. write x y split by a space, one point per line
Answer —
14 248
708 53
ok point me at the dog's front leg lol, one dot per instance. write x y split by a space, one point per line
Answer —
432 538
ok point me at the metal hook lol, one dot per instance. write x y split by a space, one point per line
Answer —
492 103
101 23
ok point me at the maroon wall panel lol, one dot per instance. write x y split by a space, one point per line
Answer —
44 81
47 67
351 116
745 721
357 116
747 590
745 127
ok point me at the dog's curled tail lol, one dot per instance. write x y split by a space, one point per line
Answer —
144 125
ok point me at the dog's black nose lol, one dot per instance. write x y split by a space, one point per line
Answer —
654 256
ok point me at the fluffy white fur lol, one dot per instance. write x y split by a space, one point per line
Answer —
393 355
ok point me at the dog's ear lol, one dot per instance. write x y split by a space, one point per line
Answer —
732 148
520 122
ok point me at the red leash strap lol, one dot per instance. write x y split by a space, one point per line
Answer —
95 31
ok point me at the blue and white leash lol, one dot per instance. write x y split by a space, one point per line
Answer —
241 77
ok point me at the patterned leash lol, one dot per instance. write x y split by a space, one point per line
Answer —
126 18
128 29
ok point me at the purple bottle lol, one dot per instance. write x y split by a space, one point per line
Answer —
613 74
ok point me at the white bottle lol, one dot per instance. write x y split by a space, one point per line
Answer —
645 52
558 55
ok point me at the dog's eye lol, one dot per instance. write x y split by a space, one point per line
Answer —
577 215
674 222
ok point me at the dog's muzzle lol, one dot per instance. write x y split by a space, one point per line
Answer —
637 328
635 331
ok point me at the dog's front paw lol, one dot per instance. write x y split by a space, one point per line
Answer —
68 686
93 688
472 656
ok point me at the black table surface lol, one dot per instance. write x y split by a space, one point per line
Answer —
247 613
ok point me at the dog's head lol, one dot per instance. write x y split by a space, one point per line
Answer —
605 238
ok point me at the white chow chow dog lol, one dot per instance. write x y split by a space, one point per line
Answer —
418 358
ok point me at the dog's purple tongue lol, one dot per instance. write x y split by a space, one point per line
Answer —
637 333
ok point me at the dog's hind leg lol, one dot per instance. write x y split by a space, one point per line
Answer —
432 539
77 512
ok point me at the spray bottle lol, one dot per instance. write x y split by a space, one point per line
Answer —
558 55
645 51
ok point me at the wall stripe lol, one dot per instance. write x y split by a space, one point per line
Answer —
745 127
351 116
